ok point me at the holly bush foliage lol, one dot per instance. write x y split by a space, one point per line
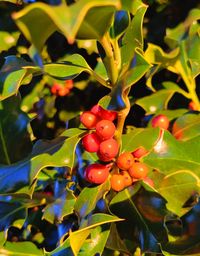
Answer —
119 58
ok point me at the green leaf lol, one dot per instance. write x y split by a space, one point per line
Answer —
169 155
96 243
144 216
137 70
8 40
11 211
133 38
159 100
155 55
156 101
139 137
89 197
177 188
20 249
58 152
15 143
69 20
121 22
186 127
131 6
77 238
68 68
63 204
14 73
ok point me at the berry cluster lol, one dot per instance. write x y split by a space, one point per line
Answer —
62 89
101 141
130 169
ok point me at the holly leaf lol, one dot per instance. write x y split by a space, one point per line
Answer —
74 21
169 155
62 205
15 72
59 152
14 136
186 127
18 248
89 197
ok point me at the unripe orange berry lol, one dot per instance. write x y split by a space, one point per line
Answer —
96 173
125 161
161 121
127 178
91 142
105 129
108 149
117 182
139 152
88 119
138 170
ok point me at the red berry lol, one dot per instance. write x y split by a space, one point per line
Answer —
125 161
127 178
117 182
103 113
161 121
139 152
55 88
69 84
63 91
96 173
105 129
96 109
108 149
138 170
192 105
91 142
88 119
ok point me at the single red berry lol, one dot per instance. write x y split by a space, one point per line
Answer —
105 129
96 173
103 113
192 106
96 109
108 115
161 121
55 88
91 142
88 119
63 91
108 149
69 84
139 152
117 182
125 161
138 170
127 178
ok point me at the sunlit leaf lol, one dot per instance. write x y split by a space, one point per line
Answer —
18 248
8 40
186 127
70 20
89 197
169 155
